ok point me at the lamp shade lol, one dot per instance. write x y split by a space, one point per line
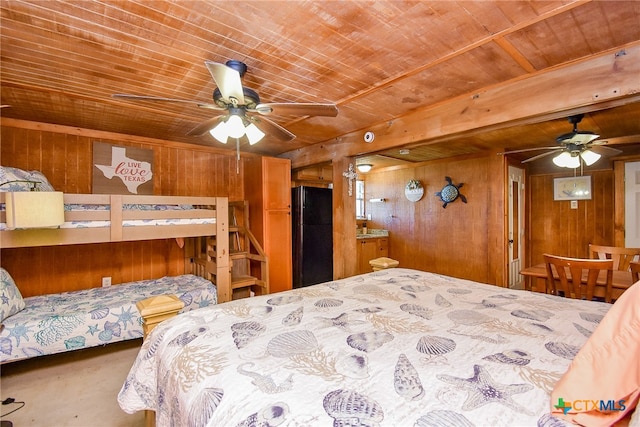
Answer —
589 157
253 134
220 132
34 209
567 160
364 167
235 127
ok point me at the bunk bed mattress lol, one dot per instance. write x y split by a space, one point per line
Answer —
389 348
67 321
126 222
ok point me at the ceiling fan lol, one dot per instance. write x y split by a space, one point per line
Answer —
242 113
574 147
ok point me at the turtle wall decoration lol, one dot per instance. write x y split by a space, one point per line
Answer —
450 192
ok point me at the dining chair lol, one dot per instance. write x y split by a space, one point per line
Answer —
634 266
577 277
621 256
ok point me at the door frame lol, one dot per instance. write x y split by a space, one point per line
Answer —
514 279
619 199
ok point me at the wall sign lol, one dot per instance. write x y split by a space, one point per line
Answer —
413 191
574 188
122 170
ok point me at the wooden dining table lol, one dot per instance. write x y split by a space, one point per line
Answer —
536 280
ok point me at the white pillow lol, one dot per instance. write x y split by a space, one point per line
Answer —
11 300
8 174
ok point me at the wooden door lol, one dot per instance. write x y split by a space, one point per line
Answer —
278 249
367 250
632 204
277 183
515 220
268 190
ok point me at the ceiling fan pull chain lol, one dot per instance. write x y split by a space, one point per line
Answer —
237 156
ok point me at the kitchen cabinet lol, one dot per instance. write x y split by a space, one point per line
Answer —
369 248
268 190
315 173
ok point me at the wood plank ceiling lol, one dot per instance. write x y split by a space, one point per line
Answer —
381 62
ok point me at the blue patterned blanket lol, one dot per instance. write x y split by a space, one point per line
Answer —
67 321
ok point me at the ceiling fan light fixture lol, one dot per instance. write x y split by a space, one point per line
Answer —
220 132
253 133
559 160
589 157
235 126
364 167
566 160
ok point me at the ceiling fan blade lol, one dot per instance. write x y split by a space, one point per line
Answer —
605 151
161 99
539 156
628 139
297 109
272 129
205 126
228 81
524 150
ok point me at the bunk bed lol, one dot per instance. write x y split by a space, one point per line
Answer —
101 218
48 324
390 348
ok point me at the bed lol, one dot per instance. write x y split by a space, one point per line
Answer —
55 323
102 218
99 218
396 347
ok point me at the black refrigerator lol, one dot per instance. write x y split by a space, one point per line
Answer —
312 235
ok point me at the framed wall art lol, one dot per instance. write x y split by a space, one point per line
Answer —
574 188
122 170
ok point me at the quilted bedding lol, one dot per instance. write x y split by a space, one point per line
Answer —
71 320
396 347
127 222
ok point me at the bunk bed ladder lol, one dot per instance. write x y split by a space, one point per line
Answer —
249 265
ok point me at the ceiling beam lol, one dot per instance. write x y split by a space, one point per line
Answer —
603 81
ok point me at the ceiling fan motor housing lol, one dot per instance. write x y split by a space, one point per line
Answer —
251 98
239 66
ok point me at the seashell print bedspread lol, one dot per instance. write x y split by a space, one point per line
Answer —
67 321
396 347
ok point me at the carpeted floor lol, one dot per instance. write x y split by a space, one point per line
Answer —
77 388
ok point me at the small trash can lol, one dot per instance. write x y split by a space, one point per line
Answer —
383 263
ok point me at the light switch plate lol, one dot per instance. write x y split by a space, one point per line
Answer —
574 204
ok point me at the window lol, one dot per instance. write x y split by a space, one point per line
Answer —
360 199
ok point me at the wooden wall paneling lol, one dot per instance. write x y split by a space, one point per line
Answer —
185 172
70 163
233 180
172 172
34 159
160 164
457 240
619 203
225 170
199 180
600 217
557 229
344 221
84 172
